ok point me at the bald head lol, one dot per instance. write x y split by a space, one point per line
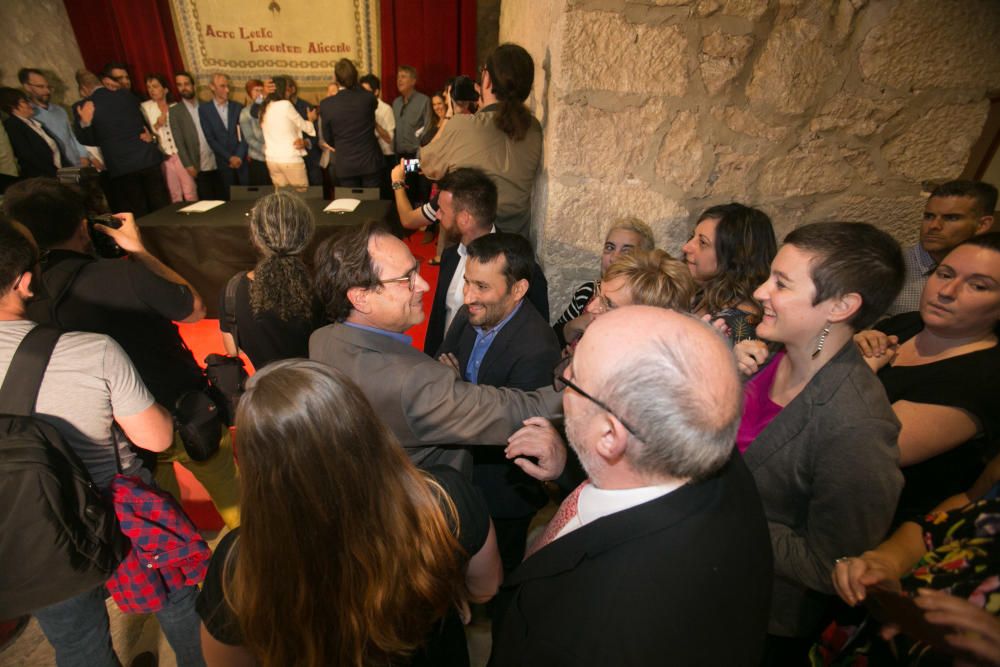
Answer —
674 379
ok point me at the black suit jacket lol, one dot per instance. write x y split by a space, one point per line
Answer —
348 120
522 356
34 157
118 122
684 579
538 295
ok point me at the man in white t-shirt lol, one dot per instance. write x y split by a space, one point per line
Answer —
90 385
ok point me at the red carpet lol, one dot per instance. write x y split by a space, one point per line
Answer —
204 338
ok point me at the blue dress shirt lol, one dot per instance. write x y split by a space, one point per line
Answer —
56 121
483 341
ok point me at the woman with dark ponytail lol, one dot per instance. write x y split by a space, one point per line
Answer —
502 138
269 312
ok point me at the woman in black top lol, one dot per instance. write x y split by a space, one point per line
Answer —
940 368
347 554
269 312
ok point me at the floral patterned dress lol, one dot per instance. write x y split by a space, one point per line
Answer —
962 559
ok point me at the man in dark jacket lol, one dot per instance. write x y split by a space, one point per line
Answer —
348 120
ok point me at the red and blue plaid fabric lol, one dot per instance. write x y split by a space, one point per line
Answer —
167 552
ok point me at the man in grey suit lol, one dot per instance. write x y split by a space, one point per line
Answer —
370 286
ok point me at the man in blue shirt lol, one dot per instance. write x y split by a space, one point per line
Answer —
52 116
498 338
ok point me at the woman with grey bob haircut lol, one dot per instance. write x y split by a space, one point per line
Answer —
269 312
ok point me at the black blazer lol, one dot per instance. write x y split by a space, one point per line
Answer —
683 579
538 295
348 120
118 122
522 356
34 157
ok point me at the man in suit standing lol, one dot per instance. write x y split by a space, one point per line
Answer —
466 209
112 120
192 147
36 149
370 287
220 122
663 555
349 127
499 339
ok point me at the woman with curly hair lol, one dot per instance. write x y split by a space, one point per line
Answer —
269 312
729 256
347 554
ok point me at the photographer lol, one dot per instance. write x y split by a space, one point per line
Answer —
135 301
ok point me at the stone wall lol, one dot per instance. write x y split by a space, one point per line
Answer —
810 109
38 34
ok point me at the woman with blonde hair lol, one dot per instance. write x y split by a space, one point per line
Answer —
347 554
624 236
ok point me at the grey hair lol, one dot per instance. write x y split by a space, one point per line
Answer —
686 424
281 227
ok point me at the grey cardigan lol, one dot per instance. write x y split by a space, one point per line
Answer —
827 468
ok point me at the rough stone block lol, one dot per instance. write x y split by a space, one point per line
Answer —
935 44
722 58
743 121
592 142
814 167
936 145
731 176
793 68
900 216
682 153
748 9
860 116
603 51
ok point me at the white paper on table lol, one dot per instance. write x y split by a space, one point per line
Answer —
342 206
201 206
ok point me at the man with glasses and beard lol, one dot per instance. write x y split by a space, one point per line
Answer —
370 287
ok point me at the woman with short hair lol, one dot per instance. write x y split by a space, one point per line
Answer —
626 235
347 554
817 432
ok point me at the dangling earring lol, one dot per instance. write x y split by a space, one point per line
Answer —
822 340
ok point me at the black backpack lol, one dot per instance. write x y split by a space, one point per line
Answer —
58 536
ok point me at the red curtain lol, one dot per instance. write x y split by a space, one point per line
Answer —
139 33
438 38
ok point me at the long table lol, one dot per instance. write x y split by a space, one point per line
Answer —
208 248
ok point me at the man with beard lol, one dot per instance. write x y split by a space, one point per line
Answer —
663 554
467 207
370 287
499 339
192 147
52 116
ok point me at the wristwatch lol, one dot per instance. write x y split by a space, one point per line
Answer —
398 185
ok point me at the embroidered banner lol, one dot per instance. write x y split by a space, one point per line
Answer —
259 38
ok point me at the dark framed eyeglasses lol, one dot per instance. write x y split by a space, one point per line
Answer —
559 383
410 279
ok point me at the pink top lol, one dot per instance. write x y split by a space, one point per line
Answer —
758 408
